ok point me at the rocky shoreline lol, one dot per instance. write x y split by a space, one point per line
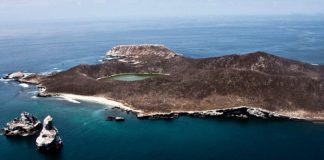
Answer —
241 112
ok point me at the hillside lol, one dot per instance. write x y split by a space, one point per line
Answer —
257 79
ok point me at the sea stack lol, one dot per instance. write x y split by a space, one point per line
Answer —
25 125
49 139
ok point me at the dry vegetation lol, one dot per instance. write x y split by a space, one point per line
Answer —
256 79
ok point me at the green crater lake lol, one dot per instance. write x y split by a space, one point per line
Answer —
132 76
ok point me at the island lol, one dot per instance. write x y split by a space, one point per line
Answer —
250 85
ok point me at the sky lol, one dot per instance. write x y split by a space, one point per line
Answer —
18 10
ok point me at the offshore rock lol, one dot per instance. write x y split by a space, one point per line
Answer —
15 75
25 125
42 92
49 139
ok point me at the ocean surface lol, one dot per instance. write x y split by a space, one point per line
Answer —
43 47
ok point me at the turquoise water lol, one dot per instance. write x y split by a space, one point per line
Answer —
86 134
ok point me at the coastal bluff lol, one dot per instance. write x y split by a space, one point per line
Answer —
138 51
185 84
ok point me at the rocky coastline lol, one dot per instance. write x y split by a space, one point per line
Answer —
241 112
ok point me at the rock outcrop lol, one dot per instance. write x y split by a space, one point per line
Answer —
137 51
28 78
242 112
25 125
15 75
49 139
31 79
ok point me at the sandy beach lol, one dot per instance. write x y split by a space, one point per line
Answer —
96 99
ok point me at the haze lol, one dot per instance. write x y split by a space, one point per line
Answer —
17 10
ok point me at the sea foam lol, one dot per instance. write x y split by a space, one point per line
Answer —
24 85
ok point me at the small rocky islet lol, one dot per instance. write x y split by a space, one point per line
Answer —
49 138
25 125
29 125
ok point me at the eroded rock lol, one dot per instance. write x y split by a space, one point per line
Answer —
136 51
242 112
49 139
15 75
25 125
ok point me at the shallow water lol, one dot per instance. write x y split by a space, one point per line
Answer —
86 134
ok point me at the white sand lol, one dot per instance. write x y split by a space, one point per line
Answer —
24 85
70 100
96 99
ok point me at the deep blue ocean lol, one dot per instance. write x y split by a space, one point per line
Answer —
47 46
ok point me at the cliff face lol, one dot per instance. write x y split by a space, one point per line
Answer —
137 51
256 79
